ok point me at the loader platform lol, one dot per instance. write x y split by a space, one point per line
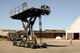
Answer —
28 17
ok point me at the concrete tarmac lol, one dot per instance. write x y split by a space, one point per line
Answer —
54 46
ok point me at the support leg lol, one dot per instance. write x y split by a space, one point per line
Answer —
40 29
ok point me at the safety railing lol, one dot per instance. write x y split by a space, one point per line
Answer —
18 9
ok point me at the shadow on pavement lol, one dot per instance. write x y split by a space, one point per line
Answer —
57 45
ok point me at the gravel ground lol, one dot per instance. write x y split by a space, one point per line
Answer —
55 46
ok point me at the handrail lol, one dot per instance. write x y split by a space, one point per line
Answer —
18 9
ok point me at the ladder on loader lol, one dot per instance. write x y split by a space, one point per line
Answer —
28 17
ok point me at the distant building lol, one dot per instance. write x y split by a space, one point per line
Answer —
73 32
45 34
4 32
51 33
48 33
1 32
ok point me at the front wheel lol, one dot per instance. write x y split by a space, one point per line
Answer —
44 45
14 43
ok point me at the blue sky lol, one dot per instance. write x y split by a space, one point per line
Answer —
63 13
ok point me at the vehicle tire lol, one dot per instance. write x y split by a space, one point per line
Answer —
14 43
33 46
44 45
28 44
